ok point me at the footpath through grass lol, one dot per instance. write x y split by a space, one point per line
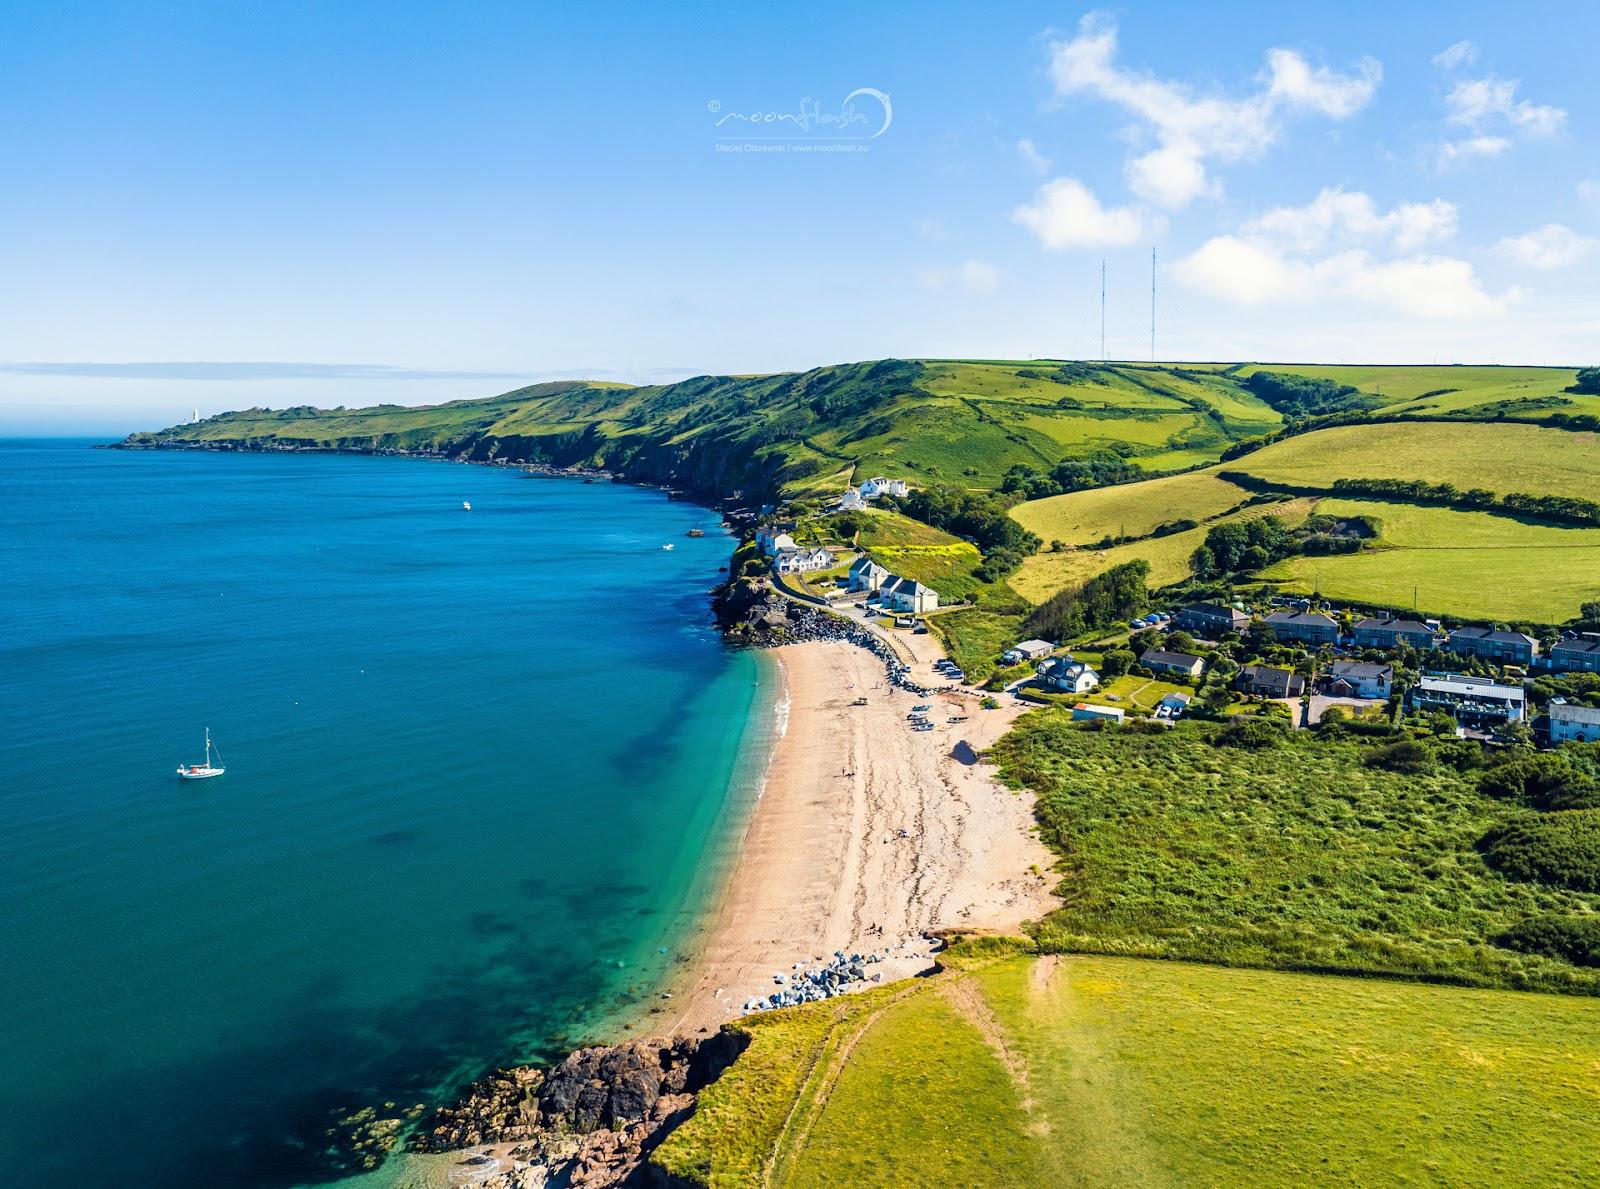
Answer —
1090 1070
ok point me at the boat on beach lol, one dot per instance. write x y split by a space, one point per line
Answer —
203 771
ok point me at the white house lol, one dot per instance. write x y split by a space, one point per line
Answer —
803 561
873 488
1356 679
772 541
867 575
1067 675
908 595
1569 723
851 501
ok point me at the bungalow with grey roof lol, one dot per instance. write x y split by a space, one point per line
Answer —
1267 681
1158 661
1494 644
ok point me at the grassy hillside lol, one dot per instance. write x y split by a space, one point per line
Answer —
1101 1070
912 549
1501 458
1469 564
963 423
1431 391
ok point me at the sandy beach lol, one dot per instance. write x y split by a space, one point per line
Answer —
867 835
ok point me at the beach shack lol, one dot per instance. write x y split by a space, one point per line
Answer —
1084 712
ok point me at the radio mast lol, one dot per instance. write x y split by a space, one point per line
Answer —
1102 309
1152 305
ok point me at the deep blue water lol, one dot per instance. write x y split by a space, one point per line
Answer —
476 761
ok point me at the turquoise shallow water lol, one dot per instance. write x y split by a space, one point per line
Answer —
479 766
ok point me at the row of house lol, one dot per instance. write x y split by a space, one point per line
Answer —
856 499
894 593
1341 679
1316 628
803 561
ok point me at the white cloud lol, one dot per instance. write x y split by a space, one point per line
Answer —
1253 272
1326 92
1188 127
975 276
1550 246
1348 215
1475 103
1462 53
1589 191
1453 152
931 228
1031 154
1065 214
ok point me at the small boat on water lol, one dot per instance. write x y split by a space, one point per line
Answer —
695 532
666 547
203 771
466 505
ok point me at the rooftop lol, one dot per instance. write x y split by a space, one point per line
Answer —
1570 712
1462 686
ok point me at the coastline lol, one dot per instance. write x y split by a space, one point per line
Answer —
866 836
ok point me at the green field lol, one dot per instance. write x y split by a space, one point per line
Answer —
1299 856
1128 510
1111 1071
1439 390
1501 458
1469 564
1045 573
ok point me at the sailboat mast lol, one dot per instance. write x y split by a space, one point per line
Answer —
208 747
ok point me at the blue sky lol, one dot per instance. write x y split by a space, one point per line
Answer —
345 204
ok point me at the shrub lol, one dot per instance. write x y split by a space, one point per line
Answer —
1561 848
1547 781
1576 939
1252 734
1411 756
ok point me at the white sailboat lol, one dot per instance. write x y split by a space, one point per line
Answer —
202 771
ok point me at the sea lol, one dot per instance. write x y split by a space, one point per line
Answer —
484 770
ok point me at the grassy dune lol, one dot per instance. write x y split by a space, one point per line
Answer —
1468 564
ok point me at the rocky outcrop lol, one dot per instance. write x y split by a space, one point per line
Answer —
590 1121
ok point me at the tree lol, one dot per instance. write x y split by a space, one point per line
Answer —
1116 662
